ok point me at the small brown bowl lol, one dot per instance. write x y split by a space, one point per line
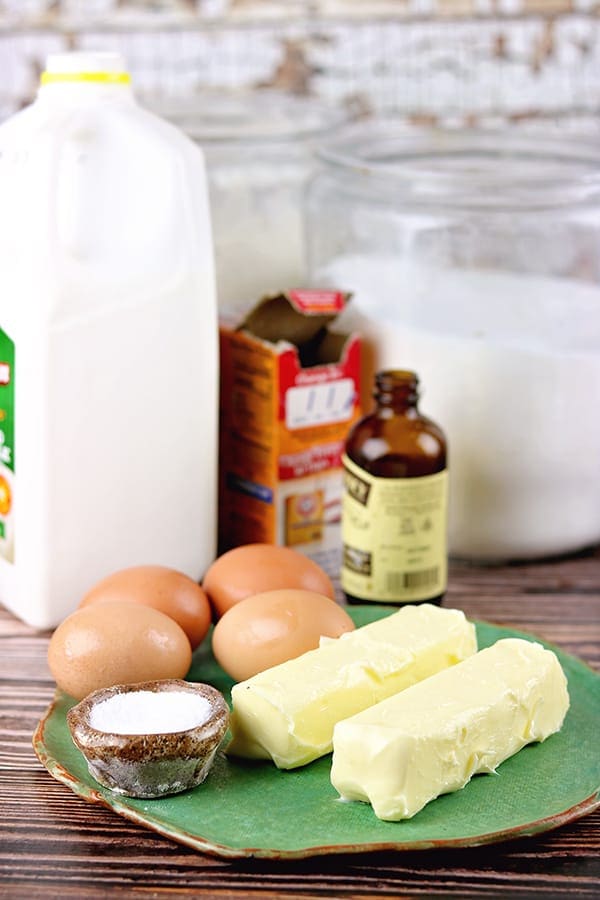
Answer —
153 764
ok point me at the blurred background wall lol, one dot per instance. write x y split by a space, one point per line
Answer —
463 61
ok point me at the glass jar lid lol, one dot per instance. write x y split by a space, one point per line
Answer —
487 168
220 116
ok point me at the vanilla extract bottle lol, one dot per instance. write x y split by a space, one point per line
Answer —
395 502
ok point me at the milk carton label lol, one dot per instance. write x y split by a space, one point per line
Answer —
7 445
394 535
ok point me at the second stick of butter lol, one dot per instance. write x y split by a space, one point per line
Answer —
287 713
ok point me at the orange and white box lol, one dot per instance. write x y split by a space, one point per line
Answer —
290 387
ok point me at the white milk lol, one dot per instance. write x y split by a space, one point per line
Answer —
510 367
107 293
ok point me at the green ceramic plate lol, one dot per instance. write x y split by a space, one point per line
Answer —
253 809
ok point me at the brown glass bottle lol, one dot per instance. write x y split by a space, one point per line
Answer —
394 511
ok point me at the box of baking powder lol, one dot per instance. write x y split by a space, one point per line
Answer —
290 391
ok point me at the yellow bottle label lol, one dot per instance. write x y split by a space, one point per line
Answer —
394 534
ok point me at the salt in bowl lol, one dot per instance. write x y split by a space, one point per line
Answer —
150 739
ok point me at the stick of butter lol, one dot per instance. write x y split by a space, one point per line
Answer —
287 712
430 739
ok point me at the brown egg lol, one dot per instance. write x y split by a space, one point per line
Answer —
116 643
167 590
270 628
255 568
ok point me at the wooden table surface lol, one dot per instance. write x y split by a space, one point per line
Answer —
53 844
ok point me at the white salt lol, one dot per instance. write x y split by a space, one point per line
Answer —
150 712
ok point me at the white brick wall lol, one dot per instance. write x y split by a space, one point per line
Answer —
462 59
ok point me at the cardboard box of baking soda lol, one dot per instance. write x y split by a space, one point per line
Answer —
290 388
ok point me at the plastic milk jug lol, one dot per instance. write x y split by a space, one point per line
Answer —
108 342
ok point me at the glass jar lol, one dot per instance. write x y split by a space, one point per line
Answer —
474 259
259 148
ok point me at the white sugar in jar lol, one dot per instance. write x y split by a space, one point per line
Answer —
475 261
259 150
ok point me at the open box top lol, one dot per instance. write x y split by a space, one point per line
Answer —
299 319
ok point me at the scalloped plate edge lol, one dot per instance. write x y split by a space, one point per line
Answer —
528 829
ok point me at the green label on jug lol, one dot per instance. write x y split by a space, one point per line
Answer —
7 445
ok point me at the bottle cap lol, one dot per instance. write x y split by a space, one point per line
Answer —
100 67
